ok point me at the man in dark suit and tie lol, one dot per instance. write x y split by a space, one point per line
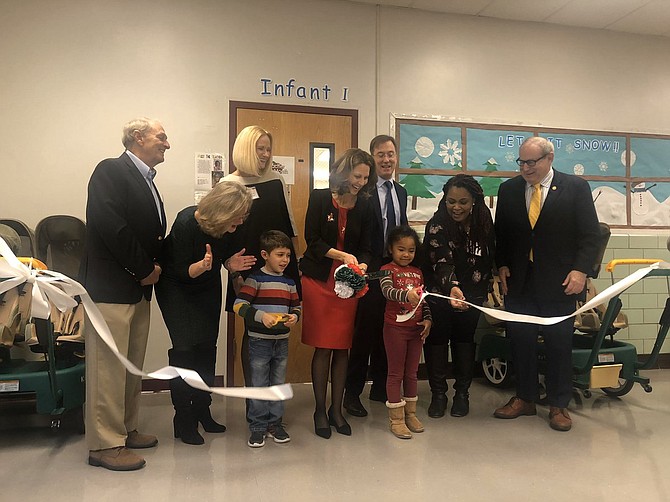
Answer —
546 242
389 204
125 224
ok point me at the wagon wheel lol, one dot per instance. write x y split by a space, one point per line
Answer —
497 371
621 389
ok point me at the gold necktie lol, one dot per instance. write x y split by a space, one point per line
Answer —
535 202
534 209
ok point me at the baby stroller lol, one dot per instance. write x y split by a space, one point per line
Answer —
25 234
61 245
53 382
599 352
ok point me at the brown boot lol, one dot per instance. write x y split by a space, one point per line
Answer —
397 420
116 459
411 421
138 440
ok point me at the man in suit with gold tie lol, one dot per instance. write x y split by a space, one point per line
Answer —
546 242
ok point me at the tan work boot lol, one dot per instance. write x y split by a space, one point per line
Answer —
413 423
116 459
397 420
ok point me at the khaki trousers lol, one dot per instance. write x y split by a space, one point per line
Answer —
112 393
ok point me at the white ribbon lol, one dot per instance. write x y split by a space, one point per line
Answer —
53 288
600 298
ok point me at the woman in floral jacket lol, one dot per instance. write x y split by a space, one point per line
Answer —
460 245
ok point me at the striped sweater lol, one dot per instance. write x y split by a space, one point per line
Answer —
264 292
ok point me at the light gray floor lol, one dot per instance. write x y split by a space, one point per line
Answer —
619 449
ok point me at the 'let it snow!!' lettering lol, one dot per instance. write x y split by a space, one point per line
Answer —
585 144
596 144
513 140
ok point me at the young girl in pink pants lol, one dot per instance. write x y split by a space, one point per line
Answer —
403 340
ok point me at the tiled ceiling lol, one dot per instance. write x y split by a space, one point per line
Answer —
648 17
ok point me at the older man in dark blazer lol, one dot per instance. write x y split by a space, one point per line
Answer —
389 206
547 241
125 224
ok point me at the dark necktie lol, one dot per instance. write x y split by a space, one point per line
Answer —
390 208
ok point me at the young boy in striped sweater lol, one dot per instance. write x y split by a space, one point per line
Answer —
269 303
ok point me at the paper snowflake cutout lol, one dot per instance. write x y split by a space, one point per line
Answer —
450 152
603 166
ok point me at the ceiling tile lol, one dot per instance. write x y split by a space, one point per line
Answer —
652 18
390 3
523 10
649 17
595 13
469 7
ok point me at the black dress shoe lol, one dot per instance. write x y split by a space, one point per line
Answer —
344 429
354 406
323 432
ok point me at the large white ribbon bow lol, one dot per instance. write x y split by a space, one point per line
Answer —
53 288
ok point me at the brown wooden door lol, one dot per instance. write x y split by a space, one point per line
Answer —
293 128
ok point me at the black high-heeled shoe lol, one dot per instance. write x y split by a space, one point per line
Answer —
323 432
204 416
186 429
344 429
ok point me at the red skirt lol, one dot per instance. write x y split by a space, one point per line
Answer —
327 319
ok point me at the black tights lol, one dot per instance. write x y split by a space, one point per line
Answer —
333 362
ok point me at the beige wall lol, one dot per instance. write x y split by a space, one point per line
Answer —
522 73
74 71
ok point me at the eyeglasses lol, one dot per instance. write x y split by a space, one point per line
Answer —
389 155
531 162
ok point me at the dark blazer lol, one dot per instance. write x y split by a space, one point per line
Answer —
124 233
565 237
377 240
321 230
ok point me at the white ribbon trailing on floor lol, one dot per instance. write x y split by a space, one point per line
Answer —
53 288
600 298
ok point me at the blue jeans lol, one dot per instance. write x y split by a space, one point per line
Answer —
267 365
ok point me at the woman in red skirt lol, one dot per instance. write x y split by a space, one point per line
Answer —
337 231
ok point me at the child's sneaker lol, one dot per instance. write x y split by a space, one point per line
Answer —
256 440
279 434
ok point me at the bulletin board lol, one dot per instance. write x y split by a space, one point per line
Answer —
629 173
